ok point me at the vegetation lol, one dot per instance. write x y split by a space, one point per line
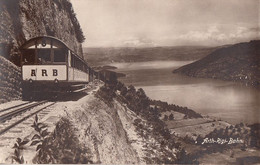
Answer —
61 146
79 33
237 62
254 135
106 94
42 138
171 117
66 4
223 140
165 107
19 146
153 128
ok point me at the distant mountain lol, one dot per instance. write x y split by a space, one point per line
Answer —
104 56
239 62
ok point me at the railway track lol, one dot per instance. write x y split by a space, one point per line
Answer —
20 113
9 108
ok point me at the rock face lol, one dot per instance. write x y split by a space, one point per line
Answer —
25 19
10 76
112 136
21 20
239 62
101 129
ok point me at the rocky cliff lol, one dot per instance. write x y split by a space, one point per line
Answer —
239 62
10 81
21 20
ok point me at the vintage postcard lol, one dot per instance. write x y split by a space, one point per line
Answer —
129 82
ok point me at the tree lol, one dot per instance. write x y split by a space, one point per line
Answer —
78 31
119 85
165 118
131 89
171 117
199 139
140 93
123 91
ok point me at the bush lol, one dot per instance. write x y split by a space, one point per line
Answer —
171 117
165 118
61 146
123 91
106 94
19 146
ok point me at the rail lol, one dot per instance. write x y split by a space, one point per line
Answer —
11 114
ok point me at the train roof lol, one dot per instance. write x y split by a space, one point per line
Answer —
54 40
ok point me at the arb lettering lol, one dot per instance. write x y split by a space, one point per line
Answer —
44 72
54 72
33 72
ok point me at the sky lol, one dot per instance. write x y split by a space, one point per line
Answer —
145 23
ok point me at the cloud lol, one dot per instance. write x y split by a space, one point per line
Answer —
112 22
139 42
245 33
216 34
212 32
254 29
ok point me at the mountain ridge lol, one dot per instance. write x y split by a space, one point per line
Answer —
101 56
239 62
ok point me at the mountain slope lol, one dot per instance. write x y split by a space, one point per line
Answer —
239 62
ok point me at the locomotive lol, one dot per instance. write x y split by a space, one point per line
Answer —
50 67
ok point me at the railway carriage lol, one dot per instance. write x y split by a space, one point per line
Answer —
49 66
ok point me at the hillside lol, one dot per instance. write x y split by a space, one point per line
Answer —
92 130
103 56
25 19
121 125
239 62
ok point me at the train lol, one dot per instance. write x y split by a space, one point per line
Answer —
50 66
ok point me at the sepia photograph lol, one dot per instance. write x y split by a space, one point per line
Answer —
130 82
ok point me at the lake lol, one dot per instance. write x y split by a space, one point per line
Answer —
229 101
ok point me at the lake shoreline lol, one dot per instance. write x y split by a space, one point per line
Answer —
218 98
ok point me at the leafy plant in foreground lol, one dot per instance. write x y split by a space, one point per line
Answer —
43 142
61 146
18 147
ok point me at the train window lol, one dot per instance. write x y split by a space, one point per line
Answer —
80 65
73 61
76 63
44 56
28 56
59 55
